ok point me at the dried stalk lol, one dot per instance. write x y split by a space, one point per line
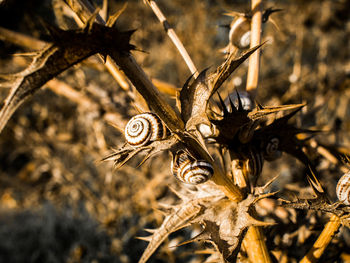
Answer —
21 39
84 10
174 38
63 89
322 241
254 59
254 240
145 87
140 80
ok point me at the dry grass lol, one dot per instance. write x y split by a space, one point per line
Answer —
55 194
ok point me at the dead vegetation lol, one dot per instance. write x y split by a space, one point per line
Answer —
274 153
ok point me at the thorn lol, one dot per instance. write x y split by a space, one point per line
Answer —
201 236
314 182
89 23
259 106
240 106
256 222
233 107
149 230
202 74
147 239
144 159
164 206
268 12
261 189
187 82
233 14
113 19
262 196
273 22
223 105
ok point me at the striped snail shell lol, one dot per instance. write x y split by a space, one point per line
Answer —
271 149
145 128
343 189
239 34
243 96
191 171
255 162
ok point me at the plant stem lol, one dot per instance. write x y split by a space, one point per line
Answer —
255 39
174 38
322 241
145 87
256 247
254 239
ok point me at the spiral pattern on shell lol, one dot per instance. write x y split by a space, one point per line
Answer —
255 162
271 149
239 34
243 96
343 189
191 171
145 128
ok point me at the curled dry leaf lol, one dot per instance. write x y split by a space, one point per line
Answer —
194 97
68 48
224 222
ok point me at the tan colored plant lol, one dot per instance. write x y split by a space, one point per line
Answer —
223 203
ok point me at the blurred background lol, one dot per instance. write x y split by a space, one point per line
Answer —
60 203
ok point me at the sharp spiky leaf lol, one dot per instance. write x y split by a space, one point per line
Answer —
227 68
66 51
194 101
179 218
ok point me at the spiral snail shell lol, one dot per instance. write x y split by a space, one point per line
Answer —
343 189
271 149
255 162
245 100
191 171
239 34
145 128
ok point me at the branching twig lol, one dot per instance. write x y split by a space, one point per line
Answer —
21 39
173 36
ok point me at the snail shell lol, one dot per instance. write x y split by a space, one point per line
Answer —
191 171
343 189
244 96
239 34
271 150
145 128
255 162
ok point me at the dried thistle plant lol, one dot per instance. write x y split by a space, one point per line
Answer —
223 201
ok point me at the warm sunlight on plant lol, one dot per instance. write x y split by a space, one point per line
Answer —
220 129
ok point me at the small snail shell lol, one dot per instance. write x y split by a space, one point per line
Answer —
271 149
239 34
343 189
191 171
255 162
244 96
145 128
